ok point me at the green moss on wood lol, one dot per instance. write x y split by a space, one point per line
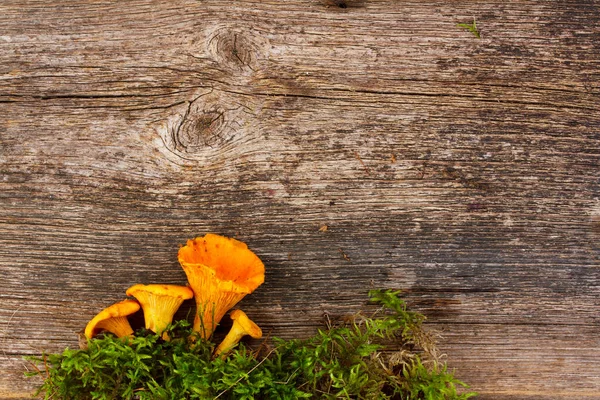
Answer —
388 355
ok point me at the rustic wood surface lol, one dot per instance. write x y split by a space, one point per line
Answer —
464 171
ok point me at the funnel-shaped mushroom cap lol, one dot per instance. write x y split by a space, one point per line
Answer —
220 271
242 326
113 319
246 324
159 302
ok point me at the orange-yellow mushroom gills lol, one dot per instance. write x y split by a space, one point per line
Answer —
220 271
113 319
159 303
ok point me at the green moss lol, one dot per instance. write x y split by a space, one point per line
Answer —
383 356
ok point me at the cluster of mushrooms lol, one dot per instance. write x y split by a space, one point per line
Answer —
220 272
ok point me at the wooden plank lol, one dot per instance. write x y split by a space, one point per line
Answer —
461 170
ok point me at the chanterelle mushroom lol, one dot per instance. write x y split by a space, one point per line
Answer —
113 319
160 302
220 271
242 325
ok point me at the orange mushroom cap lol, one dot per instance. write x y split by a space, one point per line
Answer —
160 303
242 325
113 319
220 271
239 317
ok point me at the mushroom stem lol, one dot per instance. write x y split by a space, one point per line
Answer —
242 326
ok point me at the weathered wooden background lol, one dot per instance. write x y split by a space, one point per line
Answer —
462 170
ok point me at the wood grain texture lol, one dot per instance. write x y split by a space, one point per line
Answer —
463 171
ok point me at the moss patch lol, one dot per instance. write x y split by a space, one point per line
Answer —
388 355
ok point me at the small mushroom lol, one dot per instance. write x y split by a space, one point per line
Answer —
160 302
113 319
220 271
242 326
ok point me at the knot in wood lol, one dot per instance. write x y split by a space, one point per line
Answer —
208 126
197 132
236 50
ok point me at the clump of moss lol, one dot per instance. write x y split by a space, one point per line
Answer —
388 355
